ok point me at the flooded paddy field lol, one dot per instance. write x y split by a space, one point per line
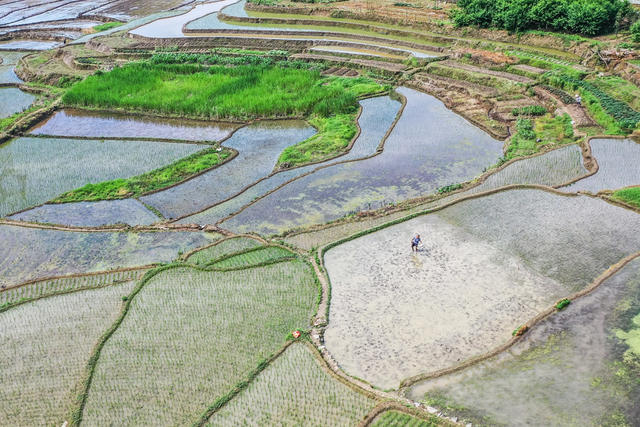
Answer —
72 122
577 367
90 214
30 253
617 166
9 61
407 314
25 45
429 147
13 100
259 145
36 170
375 120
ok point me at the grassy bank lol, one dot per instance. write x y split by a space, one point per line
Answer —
150 181
630 196
334 135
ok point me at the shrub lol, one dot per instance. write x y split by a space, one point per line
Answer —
587 17
562 304
529 110
635 31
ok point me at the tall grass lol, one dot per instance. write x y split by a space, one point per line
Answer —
629 195
241 92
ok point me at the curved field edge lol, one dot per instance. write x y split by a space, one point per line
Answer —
222 247
153 181
77 414
242 92
407 382
44 288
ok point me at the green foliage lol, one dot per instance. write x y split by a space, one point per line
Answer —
334 135
529 110
172 84
150 181
628 195
564 96
587 17
624 116
635 31
562 304
106 26
449 188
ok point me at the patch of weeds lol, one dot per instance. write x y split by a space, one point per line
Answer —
529 110
562 304
106 26
628 195
150 181
449 188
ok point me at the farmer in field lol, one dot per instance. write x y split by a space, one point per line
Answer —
415 242
578 99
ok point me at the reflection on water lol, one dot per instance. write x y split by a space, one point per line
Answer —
259 145
70 122
13 100
377 116
430 147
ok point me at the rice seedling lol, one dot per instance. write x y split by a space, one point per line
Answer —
13 296
35 170
617 166
253 257
553 168
400 419
294 390
190 336
45 345
225 247
28 253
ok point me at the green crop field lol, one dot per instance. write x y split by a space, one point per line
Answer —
190 336
45 345
295 390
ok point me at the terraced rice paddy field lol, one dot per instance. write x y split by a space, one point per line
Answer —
206 211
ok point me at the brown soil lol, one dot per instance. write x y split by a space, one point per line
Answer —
500 74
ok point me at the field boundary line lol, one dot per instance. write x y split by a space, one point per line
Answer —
74 275
320 167
274 172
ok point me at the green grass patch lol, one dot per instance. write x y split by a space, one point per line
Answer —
477 78
150 181
333 137
562 304
529 110
253 257
532 136
630 196
219 92
400 419
106 26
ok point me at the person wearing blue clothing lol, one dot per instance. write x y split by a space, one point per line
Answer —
415 242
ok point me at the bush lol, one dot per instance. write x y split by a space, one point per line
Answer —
562 304
587 17
529 110
635 31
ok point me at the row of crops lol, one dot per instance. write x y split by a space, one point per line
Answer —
623 114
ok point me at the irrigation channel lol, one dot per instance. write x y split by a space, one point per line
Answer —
258 294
